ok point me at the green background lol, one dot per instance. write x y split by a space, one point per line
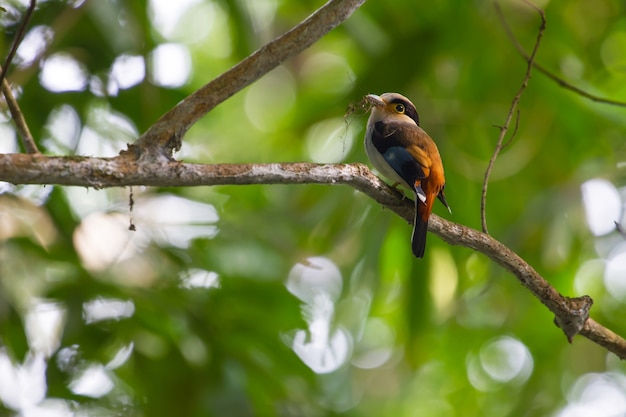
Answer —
459 336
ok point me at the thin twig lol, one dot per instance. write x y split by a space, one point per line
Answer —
125 171
18 39
504 128
131 206
164 136
18 117
515 129
14 108
561 82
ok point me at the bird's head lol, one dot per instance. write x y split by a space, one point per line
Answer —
392 107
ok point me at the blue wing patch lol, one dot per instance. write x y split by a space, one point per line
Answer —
399 158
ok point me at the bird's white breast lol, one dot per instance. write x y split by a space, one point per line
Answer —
377 159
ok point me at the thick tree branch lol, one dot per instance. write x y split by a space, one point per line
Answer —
165 136
571 313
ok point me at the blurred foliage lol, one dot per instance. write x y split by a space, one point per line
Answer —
203 306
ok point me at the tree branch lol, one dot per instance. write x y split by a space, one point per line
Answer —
156 145
505 127
571 313
561 82
165 136
18 39
18 118
14 108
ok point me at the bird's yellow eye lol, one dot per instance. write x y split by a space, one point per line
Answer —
399 108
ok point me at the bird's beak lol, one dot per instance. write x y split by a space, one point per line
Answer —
374 100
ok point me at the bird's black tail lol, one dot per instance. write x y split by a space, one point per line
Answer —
418 240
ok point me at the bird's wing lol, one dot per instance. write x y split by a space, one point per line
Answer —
404 156
442 197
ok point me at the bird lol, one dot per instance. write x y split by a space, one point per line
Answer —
403 152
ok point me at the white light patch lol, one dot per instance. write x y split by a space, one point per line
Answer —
8 144
506 359
91 142
603 205
200 278
38 195
597 395
193 22
126 72
23 217
502 361
165 14
67 358
106 131
22 386
96 86
33 45
170 65
63 126
322 347
615 273
44 327
61 72
84 201
102 309
5 187
103 239
121 356
93 382
317 275
175 221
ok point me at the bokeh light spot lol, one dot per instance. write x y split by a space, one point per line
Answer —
330 141
602 205
322 347
102 309
126 72
501 361
170 65
615 273
269 100
61 73
597 395
33 45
